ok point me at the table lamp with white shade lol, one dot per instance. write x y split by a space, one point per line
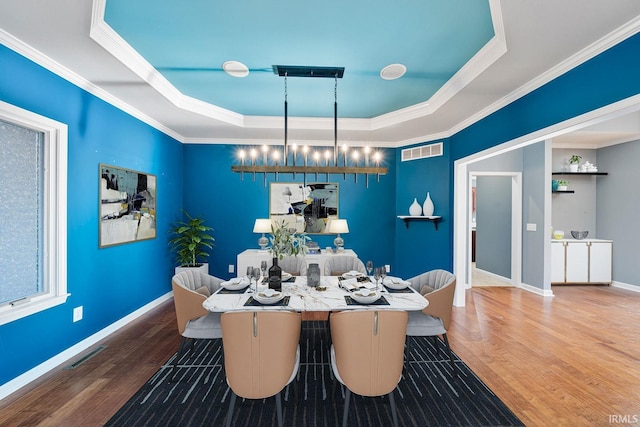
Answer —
339 226
262 226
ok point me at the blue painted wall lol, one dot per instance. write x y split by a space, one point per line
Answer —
112 282
231 206
421 247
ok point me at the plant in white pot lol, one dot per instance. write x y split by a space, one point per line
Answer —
574 162
190 241
562 185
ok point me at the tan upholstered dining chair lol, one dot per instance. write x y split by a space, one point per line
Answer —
367 353
190 289
340 264
261 354
438 287
296 266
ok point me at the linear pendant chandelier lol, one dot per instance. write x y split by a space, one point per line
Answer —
291 166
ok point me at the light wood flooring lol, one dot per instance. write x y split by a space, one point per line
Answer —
570 360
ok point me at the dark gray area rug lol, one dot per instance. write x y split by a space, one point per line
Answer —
428 394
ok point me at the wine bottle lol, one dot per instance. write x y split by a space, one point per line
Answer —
275 276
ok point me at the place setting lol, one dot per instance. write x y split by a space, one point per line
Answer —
269 297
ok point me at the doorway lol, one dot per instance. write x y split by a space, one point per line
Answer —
492 220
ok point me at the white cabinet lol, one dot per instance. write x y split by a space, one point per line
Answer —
581 261
253 257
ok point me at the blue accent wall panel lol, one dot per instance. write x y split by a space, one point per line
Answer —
109 283
420 247
231 205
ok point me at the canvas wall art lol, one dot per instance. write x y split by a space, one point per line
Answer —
306 207
127 205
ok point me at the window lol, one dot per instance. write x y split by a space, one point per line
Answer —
33 236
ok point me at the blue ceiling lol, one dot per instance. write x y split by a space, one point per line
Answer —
189 41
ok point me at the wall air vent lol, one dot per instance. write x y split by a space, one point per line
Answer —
422 152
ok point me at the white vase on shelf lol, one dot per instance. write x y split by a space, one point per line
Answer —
415 209
427 206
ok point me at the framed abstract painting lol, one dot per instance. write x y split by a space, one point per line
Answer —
306 207
127 205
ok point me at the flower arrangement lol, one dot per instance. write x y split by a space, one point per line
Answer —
286 242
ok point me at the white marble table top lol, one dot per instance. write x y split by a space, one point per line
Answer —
306 298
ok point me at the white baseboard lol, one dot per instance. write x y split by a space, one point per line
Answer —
34 373
536 290
627 286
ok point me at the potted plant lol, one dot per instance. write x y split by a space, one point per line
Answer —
285 241
190 240
574 161
562 185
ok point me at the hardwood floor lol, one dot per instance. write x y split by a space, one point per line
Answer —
569 360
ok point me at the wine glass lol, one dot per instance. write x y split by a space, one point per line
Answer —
256 275
376 275
369 267
249 273
383 274
263 267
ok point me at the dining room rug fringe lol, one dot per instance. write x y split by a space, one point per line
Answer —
427 395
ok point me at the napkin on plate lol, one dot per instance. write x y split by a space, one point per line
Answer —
350 284
395 281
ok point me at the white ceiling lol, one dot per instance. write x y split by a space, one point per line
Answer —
543 39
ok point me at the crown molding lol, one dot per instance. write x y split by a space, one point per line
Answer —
60 70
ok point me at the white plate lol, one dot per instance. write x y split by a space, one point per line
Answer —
365 296
352 273
286 276
395 283
236 283
265 297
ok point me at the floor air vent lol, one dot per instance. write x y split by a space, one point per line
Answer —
86 357
422 152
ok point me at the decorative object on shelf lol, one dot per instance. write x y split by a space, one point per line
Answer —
415 209
339 226
554 185
190 240
331 158
558 234
579 235
587 167
427 206
262 226
574 162
562 185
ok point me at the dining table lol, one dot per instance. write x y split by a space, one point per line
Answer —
330 294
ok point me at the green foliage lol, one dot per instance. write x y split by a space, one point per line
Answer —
575 159
563 182
190 240
286 242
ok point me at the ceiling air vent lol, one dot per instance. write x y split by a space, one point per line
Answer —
422 152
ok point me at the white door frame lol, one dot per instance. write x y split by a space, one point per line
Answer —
516 225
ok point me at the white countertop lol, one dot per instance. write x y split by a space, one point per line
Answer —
581 240
306 298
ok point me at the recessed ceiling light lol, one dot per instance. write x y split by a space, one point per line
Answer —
393 71
235 69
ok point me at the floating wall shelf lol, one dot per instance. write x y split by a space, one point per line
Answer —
409 218
579 173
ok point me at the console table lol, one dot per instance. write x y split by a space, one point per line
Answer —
253 257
